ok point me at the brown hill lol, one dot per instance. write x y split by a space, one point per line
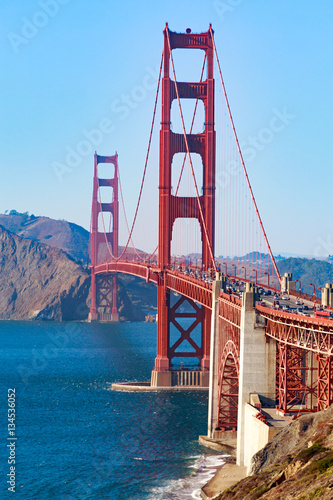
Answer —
41 282
296 464
66 236
37 281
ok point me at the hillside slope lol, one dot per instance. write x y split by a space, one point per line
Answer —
296 464
66 236
307 271
37 281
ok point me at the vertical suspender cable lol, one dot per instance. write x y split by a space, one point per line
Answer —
130 231
242 160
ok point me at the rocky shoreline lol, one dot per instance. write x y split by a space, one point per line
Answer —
296 464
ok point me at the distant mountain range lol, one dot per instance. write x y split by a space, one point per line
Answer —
44 273
307 271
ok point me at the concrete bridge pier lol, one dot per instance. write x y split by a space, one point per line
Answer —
257 373
327 295
287 285
214 359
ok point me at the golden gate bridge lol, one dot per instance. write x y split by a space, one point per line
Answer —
211 239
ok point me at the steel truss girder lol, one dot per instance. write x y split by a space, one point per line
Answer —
104 293
325 381
294 384
191 288
230 310
312 334
185 334
228 382
292 331
187 286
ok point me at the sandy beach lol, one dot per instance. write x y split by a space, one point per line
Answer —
225 477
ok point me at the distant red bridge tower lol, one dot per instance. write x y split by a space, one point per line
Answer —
104 244
173 207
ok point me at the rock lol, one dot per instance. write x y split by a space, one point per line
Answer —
293 438
296 464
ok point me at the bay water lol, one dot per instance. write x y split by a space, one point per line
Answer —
75 438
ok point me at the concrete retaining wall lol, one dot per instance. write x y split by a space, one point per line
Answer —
257 433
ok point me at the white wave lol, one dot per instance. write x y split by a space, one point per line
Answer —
188 488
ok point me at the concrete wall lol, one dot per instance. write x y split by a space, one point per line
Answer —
327 295
257 367
257 434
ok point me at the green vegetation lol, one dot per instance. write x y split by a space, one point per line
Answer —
24 216
320 466
307 271
308 453
317 493
325 463
260 491
15 212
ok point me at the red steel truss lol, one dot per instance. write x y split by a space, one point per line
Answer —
325 381
185 333
173 207
191 288
104 245
229 332
304 360
313 334
228 387
296 385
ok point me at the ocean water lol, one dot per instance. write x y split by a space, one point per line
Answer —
78 439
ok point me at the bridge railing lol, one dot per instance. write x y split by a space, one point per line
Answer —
305 296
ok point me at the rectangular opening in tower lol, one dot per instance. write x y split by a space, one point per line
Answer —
189 64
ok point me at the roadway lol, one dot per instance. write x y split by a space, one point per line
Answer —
195 284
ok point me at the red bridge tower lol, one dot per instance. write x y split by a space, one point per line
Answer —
104 245
173 207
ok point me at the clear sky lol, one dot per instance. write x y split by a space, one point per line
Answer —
70 66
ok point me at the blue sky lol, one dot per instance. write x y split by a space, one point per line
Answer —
69 68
